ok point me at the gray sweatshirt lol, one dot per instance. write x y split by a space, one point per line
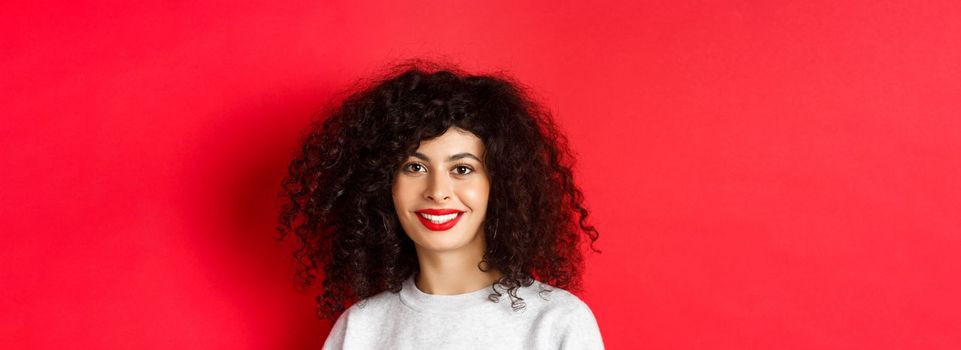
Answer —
412 319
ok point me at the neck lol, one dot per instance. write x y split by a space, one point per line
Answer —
454 272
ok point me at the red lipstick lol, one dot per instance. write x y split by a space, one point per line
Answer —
438 211
439 227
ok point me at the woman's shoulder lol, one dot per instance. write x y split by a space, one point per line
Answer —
573 320
364 311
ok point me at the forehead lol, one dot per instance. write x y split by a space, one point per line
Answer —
452 141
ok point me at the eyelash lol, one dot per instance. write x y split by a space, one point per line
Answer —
406 166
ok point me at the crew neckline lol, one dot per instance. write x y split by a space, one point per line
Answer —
421 301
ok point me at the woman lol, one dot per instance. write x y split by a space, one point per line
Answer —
428 195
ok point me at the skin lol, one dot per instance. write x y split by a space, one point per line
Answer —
448 259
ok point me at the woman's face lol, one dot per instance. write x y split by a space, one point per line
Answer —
445 174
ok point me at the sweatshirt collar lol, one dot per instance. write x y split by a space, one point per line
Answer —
423 302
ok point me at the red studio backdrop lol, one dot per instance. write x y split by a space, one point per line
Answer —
763 175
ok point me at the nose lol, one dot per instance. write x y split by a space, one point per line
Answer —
438 187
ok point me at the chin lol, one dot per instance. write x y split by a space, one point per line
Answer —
442 241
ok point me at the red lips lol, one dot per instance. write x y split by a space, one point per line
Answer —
439 227
438 211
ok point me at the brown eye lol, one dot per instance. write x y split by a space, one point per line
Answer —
409 166
466 168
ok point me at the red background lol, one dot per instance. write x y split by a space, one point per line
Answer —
763 174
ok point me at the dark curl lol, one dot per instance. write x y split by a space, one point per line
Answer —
337 194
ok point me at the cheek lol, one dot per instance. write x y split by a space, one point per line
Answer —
476 196
402 192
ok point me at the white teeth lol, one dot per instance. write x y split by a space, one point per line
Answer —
439 219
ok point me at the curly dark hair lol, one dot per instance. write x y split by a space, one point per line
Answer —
337 194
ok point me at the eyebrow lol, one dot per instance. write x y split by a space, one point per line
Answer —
451 158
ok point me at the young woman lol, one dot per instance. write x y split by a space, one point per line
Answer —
426 197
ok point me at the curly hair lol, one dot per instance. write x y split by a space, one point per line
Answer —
337 193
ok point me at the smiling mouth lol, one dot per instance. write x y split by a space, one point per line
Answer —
439 222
